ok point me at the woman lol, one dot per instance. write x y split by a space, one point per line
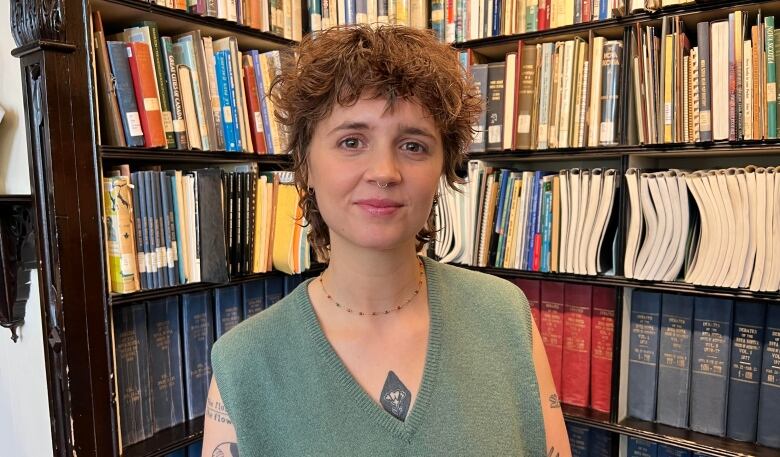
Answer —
386 352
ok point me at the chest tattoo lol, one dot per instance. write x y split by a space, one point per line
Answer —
395 397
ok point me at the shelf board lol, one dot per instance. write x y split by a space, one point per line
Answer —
118 14
618 281
153 294
585 416
116 153
167 440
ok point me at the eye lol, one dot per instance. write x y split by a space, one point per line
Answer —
414 146
351 143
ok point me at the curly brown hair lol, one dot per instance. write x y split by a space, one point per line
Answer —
341 64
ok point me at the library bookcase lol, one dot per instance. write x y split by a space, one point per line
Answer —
67 162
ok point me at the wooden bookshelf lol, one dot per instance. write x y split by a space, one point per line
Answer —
116 154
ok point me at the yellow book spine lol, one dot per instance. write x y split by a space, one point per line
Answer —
120 235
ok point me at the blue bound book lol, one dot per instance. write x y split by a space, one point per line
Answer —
669 451
643 354
600 443
579 438
263 102
169 229
536 185
710 364
291 282
195 449
131 351
274 290
227 303
233 99
125 93
745 372
198 328
769 409
141 241
223 86
254 297
641 448
165 362
674 360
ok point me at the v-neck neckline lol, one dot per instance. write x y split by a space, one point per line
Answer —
402 429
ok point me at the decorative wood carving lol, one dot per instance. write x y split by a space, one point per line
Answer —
37 20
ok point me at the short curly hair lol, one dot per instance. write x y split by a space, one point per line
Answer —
341 65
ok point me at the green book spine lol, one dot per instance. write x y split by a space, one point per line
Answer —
771 81
777 75
162 83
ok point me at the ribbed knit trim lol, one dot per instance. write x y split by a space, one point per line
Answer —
404 430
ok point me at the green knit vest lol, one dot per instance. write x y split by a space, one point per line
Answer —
289 394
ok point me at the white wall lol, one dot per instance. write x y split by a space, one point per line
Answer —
24 421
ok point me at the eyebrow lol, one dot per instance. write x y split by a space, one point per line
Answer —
356 125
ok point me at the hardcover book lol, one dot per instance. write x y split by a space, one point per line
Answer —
643 354
165 362
674 360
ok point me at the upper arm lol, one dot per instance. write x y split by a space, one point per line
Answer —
554 426
218 430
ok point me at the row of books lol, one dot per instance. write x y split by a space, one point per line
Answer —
637 447
550 95
589 441
530 220
721 89
577 324
165 228
162 348
196 450
280 17
185 92
705 363
722 235
330 13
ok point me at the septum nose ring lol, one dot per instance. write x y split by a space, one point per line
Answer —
382 186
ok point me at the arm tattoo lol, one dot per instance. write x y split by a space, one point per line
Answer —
553 453
216 411
554 402
226 450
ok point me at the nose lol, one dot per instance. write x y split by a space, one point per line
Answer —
383 168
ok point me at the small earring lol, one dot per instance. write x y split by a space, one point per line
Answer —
382 186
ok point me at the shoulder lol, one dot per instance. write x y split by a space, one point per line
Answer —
463 284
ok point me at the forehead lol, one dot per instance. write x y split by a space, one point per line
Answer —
377 112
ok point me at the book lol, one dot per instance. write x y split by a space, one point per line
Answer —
253 294
274 290
125 93
531 289
579 439
551 328
120 234
165 362
111 128
610 67
131 366
710 364
198 330
227 309
495 106
638 447
146 96
211 228
602 347
674 360
578 308
745 370
643 354
769 396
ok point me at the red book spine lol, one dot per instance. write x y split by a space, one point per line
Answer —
576 344
551 318
530 288
603 331
586 11
537 250
543 17
140 60
253 104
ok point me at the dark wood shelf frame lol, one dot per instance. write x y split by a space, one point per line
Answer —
146 155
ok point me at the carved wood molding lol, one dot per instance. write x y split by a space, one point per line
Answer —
37 20
17 259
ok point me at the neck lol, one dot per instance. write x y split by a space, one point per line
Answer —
374 281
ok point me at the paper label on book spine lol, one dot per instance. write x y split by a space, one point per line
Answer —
151 104
494 134
171 257
227 114
704 121
126 264
141 263
479 137
179 126
771 92
524 123
607 132
668 113
258 122
134 123
167 121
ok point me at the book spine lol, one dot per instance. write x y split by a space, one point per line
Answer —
544 263
165 362
227 305
480 74
197 321
110 115
120 234
532 221
146 96
253 102
159 229
710 364
150 241
769 403
579 439
705 91
162 83
235 100
602 345
263 105
531 290
526 95
253 297
578 308
745 371
125 93
168 235
211 235
674 361
174 94
771 81
551 328
643 354
495 106
226 111
140 241
610 67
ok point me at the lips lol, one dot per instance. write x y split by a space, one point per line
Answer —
379 206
